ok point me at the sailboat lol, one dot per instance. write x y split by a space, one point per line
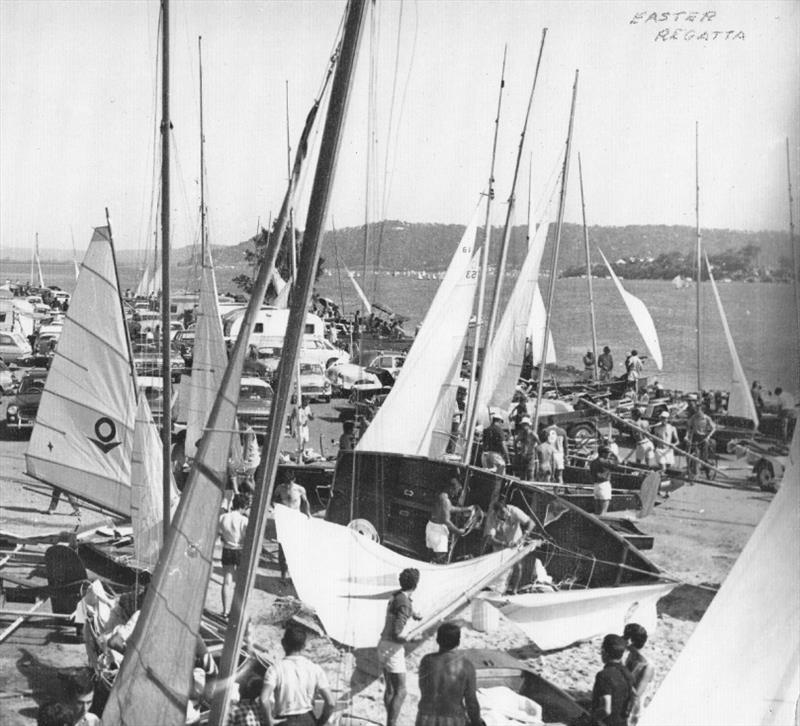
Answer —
94 435
759 602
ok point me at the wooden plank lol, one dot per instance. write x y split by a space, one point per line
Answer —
20 620
4 612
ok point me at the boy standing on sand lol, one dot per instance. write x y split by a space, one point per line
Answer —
640 668
612 695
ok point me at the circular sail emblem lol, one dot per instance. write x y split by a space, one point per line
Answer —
106 431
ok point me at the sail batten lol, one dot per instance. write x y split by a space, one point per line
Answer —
740 402
640 314
83 443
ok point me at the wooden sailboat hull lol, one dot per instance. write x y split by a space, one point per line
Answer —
395 493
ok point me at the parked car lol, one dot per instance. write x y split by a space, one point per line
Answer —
183 341
21 412
319 350
343 377
391 362
147 360
152 387
313 383
255 402
13 346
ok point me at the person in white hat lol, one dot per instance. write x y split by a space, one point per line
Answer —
666 434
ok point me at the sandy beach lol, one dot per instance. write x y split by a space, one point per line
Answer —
699 531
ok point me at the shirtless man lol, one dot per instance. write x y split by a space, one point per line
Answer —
447 684
667 434
699 429
438 529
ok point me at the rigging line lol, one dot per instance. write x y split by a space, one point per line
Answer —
368 155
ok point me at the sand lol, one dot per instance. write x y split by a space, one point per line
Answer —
699 531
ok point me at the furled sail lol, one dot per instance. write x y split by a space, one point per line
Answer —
641 316
740 402
147 513
750 627
502 362
83 436
348 579
209 360
359 291
429 365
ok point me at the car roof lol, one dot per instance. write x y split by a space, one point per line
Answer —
253 381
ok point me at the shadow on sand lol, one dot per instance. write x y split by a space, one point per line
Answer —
688 602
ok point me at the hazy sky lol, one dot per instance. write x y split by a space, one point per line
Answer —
79 107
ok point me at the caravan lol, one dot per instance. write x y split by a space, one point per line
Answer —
270 326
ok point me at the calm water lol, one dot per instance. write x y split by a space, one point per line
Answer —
761 317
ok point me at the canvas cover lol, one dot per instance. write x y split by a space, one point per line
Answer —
741 665
348 579
83 436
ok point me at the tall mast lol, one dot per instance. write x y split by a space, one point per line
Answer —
795 261
309 257
487 234
166 427
698 247
588 268
554 264
203 231
501 267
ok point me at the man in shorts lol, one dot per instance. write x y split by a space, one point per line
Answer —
666 434
641 435
440 525
292 495
232 528
559 443
391 650
600 469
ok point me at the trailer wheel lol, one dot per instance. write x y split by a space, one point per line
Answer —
583 435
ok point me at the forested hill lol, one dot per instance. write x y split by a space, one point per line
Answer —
399 245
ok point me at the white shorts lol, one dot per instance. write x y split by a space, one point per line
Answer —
665 457
602 491
437 537
558 457
494 461
644 449
302 434
391 656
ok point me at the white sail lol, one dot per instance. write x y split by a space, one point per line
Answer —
142 289
359 291
77 268
641 316
536 330
83 436
147 495
502 361
208 362
282 289
751 629
348 579
39 265
429 365
740 402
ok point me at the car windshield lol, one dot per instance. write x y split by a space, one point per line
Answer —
31 385
311 369
254 392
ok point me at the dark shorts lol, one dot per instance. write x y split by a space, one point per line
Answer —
231 557
302 719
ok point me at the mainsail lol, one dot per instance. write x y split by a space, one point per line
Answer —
359 291
751 628
208 361
282 289
83 437
348 579
641 316
429 366
502 362
740 402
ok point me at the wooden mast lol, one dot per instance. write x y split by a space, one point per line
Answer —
588 268
203 230
166 426
698 252
472 398
501 267
307 265
554 264
795 262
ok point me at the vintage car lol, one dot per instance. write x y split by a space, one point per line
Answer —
7 380
21 412
319 350
345 377
147 360
392 362
13 346
313 383
255 402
